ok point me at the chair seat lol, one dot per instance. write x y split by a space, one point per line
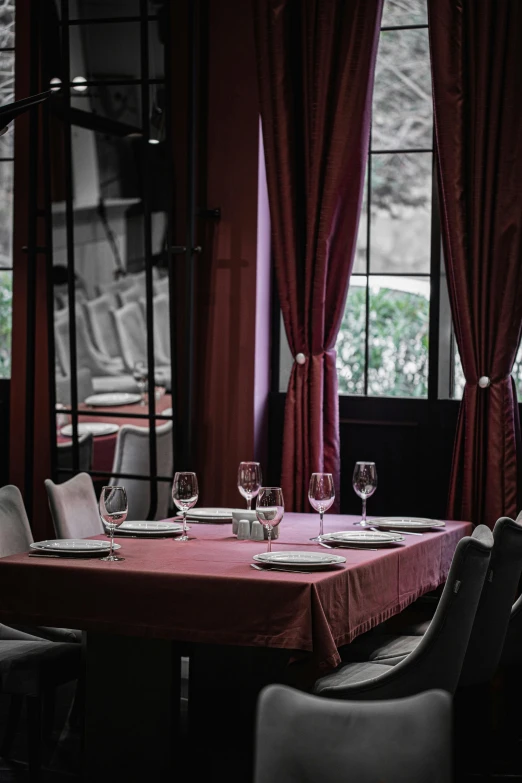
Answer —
351 674
381 648
37 633
28 668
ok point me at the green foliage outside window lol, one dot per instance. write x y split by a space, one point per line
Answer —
6 298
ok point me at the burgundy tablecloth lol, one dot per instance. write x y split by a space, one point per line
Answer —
205 590
104 446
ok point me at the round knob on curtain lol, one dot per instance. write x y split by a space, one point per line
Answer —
484 382
300 358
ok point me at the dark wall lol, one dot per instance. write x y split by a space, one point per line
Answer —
411 442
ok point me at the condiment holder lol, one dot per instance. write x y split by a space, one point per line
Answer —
246 526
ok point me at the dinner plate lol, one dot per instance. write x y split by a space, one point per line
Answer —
362 538
111 399
299 560
214 514
407 523
147 528
73 545
95 427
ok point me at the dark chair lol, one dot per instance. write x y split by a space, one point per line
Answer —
436 661
306 739
491 621
64 459
31 671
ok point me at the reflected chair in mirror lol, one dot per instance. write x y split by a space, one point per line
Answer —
436 662
74 507
84 386
132 294
131 329
304 738
64 457
162 286
101 324
115 286
16 538
491 621
132 456
161 314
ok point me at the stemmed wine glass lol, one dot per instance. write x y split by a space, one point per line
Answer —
249 480
140 373
185 496
364 482
270 508
321 495
113 511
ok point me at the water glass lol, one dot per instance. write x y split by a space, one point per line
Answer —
364 482
270 508
321 495
185 496
113 511
140 373
249 480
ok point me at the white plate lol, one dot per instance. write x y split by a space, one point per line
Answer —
150 529
166 412
299 559
112 398
407 523
211 513
363 538
96 427
73 545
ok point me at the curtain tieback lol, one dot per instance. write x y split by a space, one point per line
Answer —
484 381
300 358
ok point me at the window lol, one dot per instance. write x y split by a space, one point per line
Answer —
7 39
383 343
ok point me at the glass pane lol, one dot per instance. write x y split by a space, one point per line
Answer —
106 52
398 339
350 344
6 213
402 101
6 299
359 262
6 77
401 213
458 378
120 103
96 9
396 12
517 373
7 24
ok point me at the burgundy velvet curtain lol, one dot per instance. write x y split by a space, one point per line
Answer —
477 81
316 65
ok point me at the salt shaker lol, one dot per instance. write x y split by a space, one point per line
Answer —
257 532
243 529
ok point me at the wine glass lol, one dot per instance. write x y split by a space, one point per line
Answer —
113 511
321 495
364 482
270 508
140 373
249 480
185 496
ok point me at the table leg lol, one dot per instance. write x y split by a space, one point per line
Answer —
131 708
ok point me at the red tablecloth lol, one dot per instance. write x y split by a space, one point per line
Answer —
205 591
104 446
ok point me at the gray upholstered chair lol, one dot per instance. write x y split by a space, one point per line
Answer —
132 336
15 538
74 508
132 456
306 739
161 317
491 620
101 324
32 669
84 386
65 453
436 661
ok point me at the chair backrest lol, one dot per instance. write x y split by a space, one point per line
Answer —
65 454
84 386
161 317
132 334
86 354
15 532
102 325
436 662
132 456
305 739
74 508
494 610
132 294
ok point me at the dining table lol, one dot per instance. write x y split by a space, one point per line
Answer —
239 627
104 446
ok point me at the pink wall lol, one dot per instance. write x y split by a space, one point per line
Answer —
233 341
